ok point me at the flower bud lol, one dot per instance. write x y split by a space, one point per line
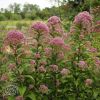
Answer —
43 89
88 82
41 69
64 72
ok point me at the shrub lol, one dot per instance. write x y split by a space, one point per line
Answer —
2 17
15 17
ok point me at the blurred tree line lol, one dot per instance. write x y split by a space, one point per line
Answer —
64 9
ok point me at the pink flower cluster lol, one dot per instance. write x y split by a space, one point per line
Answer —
54 68
82 64
83 19
42 69
54 24
65 72
48 52
88 82
40 27
97 62
15 37
37 55
57 41
60 55
12 66
32 62
92 49
4 77
43 89
54 20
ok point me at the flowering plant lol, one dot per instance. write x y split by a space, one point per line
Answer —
55 68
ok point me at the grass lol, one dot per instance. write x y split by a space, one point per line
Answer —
11 23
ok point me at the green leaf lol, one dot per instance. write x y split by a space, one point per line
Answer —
22 90
96 93
72 98
10 98
30 77
32 96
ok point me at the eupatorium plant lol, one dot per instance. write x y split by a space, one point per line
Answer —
58 68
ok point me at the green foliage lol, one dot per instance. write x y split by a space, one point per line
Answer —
28 77
32 96
15 17
2 17
64 10
22 90
20 25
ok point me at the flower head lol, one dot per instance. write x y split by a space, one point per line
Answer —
43 63
67 47
4 77
40 27
41 69
92 49
54 20
37 55
84 20
12 66
64 72
31 86
14 37
60 55
55 27
32 62
48 51
88 82
54 68
82 64
57 41
43 89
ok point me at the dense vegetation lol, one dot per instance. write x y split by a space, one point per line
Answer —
64 10
54 57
